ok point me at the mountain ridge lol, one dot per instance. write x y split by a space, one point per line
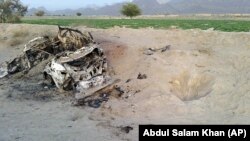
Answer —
154 7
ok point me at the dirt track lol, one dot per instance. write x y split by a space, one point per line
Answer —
202 79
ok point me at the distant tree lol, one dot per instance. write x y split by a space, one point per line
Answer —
79 14
11 11
40 13
130 10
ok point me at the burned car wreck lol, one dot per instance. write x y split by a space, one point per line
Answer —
74 62
79 70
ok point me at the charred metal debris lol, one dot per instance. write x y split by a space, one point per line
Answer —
151 51
74 62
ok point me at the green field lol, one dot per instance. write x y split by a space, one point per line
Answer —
221 25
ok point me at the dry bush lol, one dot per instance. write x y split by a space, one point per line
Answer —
3 38
15 42
188 87
17 37
47 32
207 51
20 33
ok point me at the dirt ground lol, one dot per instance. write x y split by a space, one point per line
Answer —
203 78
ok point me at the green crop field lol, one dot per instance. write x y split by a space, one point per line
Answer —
221 25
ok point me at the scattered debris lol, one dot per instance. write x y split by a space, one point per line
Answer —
142 76
148 52
74 62
96 103
199 66
131 93
165 48
119 90
128 80
126 129
107 87
151 51
137 91
92 96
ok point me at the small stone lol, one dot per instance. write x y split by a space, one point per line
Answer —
142 76
126 129
137 91
128 80
148 52
165 48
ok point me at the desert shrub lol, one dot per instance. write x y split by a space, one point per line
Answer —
15 42
17 37
187 87
20 33
207 51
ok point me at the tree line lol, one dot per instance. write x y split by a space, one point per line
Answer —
11 11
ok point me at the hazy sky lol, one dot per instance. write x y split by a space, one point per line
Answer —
62 4
71 4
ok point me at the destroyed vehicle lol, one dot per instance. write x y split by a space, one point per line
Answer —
73 61
40 49
79 70
35 51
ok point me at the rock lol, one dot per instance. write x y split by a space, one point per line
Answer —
126 129
148 52
151 51
128 80
142 76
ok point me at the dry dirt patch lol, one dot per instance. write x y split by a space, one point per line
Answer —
214 89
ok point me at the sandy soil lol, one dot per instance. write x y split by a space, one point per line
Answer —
204 78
